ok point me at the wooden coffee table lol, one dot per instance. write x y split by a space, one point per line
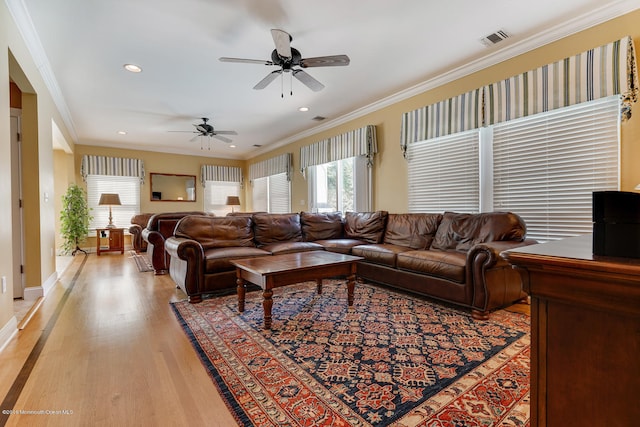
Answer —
271 272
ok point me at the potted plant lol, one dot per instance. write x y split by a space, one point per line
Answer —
74 219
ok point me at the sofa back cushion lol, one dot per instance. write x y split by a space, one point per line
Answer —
272 228
460 231
152 225
367 226
216 232
321 226
412 230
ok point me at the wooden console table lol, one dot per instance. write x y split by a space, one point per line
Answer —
116 240
585 334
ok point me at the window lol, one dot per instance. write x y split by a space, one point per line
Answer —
543 167
343 185
546 167
443 174
272 194
215 196
127 187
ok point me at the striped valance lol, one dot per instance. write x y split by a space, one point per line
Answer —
115 166
220 173
273 166
358 142
453 115
597 73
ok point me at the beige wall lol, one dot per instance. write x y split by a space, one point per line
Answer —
390 173
38 111
160 163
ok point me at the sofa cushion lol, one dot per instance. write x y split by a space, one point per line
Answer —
216 232
460 231
141 219
219 259
272 228
413 230
383 253
448 265
367 226
278 248
341 246
321 226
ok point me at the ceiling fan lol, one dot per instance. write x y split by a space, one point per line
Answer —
204 129
290 60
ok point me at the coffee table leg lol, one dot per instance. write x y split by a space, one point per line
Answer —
351 285
242 287
267 303
319 282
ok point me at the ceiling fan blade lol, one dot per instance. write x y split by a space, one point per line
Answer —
325 61
201 128
282 40
222 138
194 138
246 61
183 131
307 80
265 82
225 132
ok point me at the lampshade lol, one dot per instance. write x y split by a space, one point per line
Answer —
233 201
109 199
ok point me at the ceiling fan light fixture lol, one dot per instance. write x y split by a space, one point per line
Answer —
133 68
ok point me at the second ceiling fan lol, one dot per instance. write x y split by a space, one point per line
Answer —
289 59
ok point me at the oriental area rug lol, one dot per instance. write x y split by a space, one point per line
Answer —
392 359
142 262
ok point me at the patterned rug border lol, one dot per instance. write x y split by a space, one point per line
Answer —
440 401
141 261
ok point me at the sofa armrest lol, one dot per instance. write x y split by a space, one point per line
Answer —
494 283
139 245
187 264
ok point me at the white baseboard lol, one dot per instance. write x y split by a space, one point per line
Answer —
32 293
7 332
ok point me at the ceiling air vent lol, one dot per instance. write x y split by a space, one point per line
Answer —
318 118
257 145
495 38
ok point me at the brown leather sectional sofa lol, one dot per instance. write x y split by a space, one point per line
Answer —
139 223
452 257
159 227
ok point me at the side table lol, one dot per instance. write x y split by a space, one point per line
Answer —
116 240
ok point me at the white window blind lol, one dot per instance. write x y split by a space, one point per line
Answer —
443 174
215 196
127 187
272 194
260 199
545 167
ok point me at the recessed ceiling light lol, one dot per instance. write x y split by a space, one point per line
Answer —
122 132
132 67
232 146
303 109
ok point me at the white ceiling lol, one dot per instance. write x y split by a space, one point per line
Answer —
397 49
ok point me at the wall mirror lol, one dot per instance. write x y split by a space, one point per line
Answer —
167 187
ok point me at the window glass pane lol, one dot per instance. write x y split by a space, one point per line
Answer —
127 188
215 196
335 186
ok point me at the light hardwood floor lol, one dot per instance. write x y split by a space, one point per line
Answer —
115 356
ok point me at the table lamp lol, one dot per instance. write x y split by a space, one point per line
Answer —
109 199
233 201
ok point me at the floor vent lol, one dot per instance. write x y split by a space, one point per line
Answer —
495 38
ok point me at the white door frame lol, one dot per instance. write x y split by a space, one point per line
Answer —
17 222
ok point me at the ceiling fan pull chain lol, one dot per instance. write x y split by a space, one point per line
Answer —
282 85
291 83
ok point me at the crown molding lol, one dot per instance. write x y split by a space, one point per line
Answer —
573 26
21 17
